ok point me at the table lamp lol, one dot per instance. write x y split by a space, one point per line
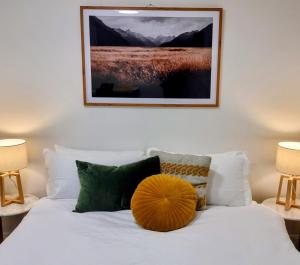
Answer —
288 163
13 157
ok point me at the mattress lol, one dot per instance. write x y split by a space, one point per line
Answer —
52 234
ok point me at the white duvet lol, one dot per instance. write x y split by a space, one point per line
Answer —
51 234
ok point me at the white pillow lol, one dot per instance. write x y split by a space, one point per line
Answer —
228 182
63 180
111 154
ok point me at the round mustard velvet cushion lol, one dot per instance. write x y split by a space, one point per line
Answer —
163 203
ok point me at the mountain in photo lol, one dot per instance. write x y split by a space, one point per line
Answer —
103 35
197 38
161 39
136 39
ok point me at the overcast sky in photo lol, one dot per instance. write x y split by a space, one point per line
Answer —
155 26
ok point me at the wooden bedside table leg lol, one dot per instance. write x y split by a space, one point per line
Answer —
1 231
294 191
288 202
279 190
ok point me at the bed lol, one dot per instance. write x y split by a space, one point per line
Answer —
52 234
232 231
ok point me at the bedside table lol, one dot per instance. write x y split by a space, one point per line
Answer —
291 217
16 209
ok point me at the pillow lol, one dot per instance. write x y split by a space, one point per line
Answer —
110 188
191 168
63 180
228 183
112 154
164 203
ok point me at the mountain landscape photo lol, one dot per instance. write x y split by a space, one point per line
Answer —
151 57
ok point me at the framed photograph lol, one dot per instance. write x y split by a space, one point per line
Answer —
138 56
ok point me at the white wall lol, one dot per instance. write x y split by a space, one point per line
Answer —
41 88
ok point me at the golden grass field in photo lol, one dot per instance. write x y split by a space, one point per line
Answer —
139 66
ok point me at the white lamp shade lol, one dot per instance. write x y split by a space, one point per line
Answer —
288 158
13 154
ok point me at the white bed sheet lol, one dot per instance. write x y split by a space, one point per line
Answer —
51 234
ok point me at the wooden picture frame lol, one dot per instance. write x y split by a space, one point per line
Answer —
186 70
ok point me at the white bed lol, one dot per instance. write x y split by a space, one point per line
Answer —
52 234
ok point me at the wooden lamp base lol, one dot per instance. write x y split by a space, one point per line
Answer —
291 191
20 198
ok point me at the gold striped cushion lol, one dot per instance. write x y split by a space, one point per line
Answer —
178 169
191 168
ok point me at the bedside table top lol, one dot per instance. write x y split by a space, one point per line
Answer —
15 209
292 214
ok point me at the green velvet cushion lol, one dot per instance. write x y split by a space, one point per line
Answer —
110 188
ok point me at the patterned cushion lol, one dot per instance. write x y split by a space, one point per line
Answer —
192 168
163 203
